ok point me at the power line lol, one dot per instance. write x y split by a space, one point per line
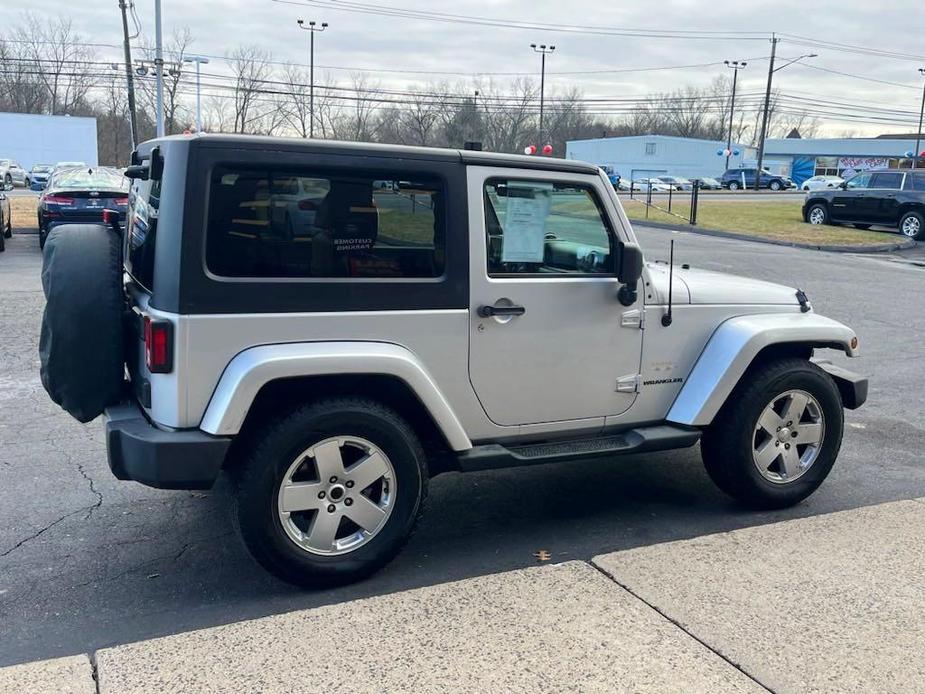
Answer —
427 15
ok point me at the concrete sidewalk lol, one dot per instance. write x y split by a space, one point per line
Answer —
825 604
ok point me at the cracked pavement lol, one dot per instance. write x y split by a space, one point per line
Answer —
87 561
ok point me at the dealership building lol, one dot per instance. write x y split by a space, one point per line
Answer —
30 139
645 156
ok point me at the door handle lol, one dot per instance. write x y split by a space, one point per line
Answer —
491 311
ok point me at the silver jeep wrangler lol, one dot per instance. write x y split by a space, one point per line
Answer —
334 323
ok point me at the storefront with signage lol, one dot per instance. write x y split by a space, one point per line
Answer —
804 158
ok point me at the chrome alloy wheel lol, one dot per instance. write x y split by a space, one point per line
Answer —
817 216
336 495
788 436
911 226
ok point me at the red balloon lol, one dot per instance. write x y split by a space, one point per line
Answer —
547 149
530 149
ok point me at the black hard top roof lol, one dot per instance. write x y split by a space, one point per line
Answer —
373 149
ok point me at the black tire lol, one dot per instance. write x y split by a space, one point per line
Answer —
863 227
727 444
818 207
8 180
42 238
733 185
81 344
775 186
906 221
2 243
268 457
8 232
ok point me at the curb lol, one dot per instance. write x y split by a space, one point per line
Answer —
900 245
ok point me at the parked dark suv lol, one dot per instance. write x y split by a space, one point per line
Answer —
885 197
734 179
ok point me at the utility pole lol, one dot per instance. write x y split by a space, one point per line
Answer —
764 114
917 154
159 67
199 60
736 65
767 104
311 71
127 48
542 49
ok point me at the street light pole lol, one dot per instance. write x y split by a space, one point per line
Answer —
767 104
917 154
735 65
542 49
199 60
311 80
159 67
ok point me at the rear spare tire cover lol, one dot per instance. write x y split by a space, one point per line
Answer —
81 344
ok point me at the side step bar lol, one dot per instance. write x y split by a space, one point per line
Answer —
645 439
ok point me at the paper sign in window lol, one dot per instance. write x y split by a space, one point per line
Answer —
525 216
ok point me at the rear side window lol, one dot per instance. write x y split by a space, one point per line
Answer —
889 180
144 201
916 181
299 223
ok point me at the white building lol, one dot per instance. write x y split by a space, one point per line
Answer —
645 156
30 139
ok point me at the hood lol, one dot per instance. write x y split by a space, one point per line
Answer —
707 287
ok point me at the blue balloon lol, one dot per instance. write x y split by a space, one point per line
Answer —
910 153
719 152
735 152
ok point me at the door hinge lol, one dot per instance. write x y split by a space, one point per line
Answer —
629 384
635 318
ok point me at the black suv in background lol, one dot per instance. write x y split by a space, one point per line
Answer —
885 197
735 179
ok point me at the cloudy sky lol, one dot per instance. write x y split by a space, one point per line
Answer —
880 42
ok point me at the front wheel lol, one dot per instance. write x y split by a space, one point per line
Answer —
818 214
330 493
912 225
733 185
777 437
775 186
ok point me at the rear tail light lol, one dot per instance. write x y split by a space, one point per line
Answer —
58 200
307 205
122 202
158 346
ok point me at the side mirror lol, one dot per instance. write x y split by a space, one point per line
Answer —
630 269
629 272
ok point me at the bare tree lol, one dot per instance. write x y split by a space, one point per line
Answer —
357 120
298 107
509 118
177 111
61 61
250 66
21 88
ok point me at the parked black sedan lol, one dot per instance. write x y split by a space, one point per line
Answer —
80 196
883 197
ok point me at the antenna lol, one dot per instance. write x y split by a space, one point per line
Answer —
666 318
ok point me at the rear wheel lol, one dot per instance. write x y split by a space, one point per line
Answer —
331 493
8 180
912 225
777 437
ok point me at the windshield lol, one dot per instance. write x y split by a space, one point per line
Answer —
91 179
41 169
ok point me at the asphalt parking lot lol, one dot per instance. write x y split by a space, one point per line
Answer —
87 561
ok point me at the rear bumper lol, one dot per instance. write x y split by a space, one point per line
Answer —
139 451
851 386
